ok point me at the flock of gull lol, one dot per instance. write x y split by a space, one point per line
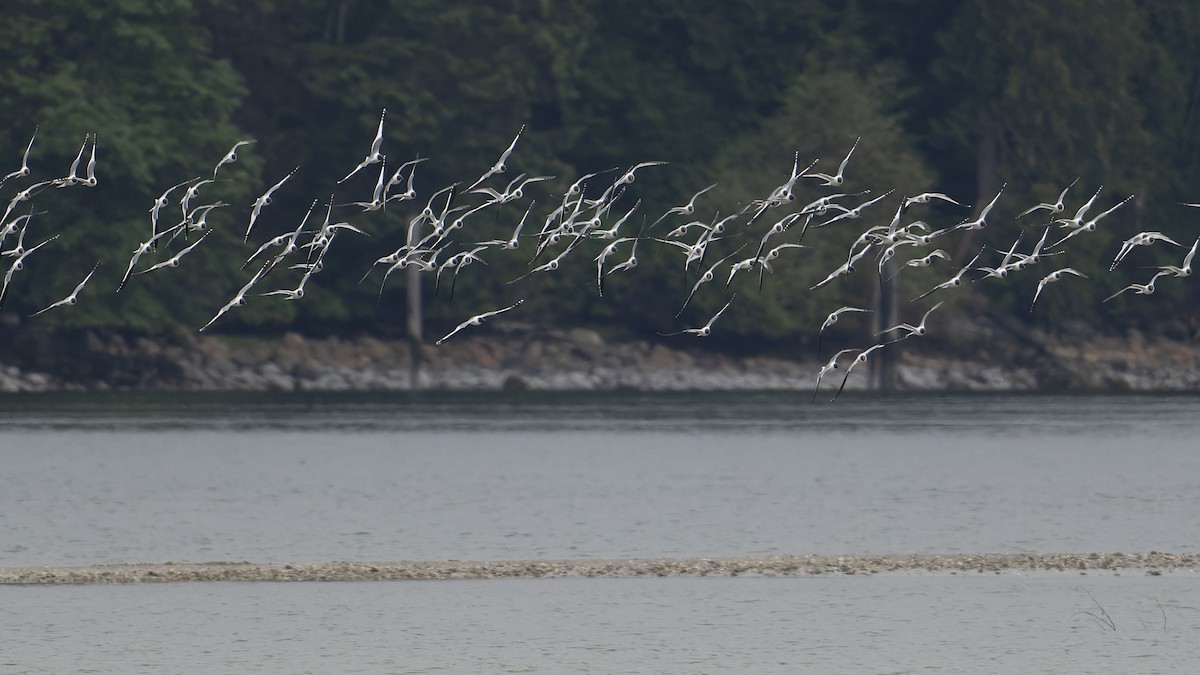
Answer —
576 219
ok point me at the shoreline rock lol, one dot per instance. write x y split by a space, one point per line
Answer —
1153 563
576 359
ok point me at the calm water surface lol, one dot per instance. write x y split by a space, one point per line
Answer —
151 478
877 624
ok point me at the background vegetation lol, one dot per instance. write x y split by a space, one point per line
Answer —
959 96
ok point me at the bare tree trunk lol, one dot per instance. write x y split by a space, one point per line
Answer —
883 365
414 321
335 23
1191 123
986 184
339 35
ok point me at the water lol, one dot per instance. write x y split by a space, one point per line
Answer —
151 478
891 623
305 479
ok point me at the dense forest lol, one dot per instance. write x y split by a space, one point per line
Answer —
961 97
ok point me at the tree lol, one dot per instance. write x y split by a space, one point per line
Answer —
138 76
1048 94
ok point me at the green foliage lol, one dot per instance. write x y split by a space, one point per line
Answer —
957 96
139 77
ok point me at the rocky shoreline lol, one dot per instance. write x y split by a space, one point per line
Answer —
1153 563
995 358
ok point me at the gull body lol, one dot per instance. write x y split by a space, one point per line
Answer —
162 201
194 224
630 263
501 164
1051 278
89 179
830 321
73 297
375 155
774 253
192 192
478 319
784 194
605 253
831 365
428 213
1052 207
1090 225
514 241
764 263
142 249
1139 289
456 262
820 205
1002 271
24 195
780 226
270 243
956 280
740 266
706 329
846 268
980 221
685 210
890 252
17 266
412 259
230 157
854 213
173 261
19 248
626 178
925 239
611 233
24 170
297 293
861 358
837 179
72 177
918 330
1185 270
289 245
378 200
1139 239
552 264
499 196
1034 257
580 184
519 191
937 254
395 180
265 200
925 197
1077 220
10 227
292 294
837 313
238 300
709 275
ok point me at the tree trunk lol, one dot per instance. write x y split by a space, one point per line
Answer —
414 320
883 362
339 34
986 185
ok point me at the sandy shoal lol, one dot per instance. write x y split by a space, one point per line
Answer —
1153 562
